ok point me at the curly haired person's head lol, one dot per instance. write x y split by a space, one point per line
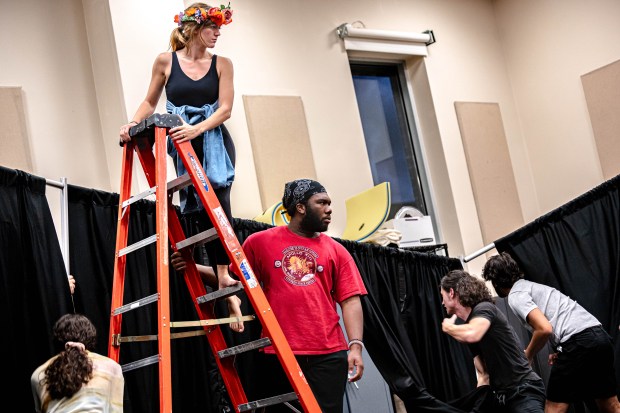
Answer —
502 271
72 368
469 289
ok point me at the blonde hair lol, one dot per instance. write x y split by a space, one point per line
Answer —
188 31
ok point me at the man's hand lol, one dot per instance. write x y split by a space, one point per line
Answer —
447 323
356 364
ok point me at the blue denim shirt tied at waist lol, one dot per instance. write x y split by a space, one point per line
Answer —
216 163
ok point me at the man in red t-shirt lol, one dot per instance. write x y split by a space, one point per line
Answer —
304 274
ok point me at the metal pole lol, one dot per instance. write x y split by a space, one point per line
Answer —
479 252
64 222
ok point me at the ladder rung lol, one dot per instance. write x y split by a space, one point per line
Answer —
179 183
138 197
136 304
270 401
201 238
221 293
139 244
212 322
174 185
140 363
242 348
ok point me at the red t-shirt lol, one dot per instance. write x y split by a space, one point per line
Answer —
303 279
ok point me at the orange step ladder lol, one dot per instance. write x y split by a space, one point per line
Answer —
149 142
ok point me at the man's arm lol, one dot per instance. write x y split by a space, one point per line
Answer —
353 318
206 273
471 332
542 330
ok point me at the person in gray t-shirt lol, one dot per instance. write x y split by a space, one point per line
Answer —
583 361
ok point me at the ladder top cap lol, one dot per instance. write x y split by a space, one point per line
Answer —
157 120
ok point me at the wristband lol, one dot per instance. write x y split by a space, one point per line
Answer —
133 121
356 341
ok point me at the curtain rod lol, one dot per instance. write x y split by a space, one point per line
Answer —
56 184
479 252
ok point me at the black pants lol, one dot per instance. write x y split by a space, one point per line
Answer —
212 253
326 374
527 397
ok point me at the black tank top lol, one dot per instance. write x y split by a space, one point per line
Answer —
182 90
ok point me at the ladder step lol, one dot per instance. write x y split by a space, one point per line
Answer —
242 348
270 401
221 293
137 245
140 363
136 304
138 197
201 238
179 183
174 185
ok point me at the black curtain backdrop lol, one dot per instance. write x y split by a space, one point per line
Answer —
576 249
93 217
35 291
402 321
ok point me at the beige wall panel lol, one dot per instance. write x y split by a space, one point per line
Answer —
490 169
14 148
602 90
280 143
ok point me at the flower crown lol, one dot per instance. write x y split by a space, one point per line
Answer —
217 15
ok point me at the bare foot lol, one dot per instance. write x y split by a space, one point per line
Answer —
224 279
234 309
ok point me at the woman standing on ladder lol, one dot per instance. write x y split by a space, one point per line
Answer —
199 88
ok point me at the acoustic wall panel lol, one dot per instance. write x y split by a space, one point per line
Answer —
280 143
602 90
490 169
14 148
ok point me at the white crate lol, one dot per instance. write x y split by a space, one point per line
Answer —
416 231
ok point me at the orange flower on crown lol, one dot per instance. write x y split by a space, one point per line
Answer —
216 16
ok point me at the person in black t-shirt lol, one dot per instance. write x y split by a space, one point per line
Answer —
498 354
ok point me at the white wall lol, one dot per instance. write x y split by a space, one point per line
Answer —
525 55
45 52
548 46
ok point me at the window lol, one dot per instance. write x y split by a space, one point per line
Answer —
389 131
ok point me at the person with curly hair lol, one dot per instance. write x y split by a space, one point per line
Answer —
498 357
582 363
77 379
